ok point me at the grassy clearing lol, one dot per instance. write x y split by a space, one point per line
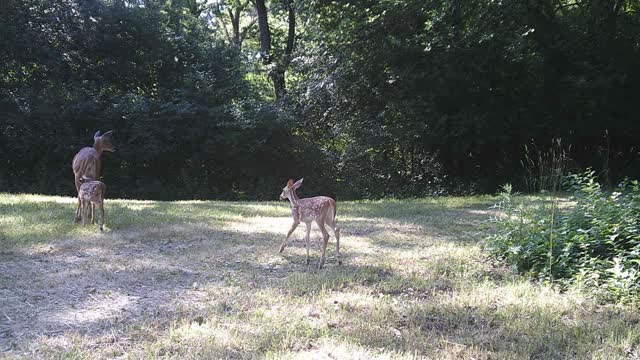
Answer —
201 279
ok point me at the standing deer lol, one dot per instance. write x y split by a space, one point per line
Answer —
90 194
87 163
320 209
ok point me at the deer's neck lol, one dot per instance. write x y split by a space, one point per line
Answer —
293 199
97 146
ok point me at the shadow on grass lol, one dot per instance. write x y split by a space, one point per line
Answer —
168 273
457 226
119 281
408 208
29 222
46 221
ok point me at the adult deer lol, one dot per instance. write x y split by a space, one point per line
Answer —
320 209
87 163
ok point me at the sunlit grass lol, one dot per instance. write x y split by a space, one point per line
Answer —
203 279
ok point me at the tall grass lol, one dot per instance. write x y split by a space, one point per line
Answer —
593 242
544 171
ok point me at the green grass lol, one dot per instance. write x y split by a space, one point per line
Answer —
203 279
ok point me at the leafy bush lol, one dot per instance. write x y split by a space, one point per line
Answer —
186 124
590 240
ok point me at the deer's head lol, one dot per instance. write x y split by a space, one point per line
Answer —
291 187
103 142
85 179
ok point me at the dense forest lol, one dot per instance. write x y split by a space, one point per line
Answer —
229 98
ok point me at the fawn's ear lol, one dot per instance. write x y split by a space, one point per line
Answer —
298 183
289 183
96 135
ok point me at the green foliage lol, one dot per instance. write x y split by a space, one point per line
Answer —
388 98
186 124
429 94
593 242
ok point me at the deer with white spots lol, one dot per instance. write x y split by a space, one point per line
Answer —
86 163
90 194
321 209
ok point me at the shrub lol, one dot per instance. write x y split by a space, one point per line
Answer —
590 239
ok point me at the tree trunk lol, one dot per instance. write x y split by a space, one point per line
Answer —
235 25
291 35
265 33
277 76
277 72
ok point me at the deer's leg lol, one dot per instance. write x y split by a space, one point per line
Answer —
77 217
307 239
101 221
325 241
93 210
336 233
293 227
84 213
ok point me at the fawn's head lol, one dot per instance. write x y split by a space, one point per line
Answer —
85 179
103 142
291 187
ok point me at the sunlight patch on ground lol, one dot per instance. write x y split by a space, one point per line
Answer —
190 202
203 279
8 221
341 349
349 299
59 342
138 206
268 207
275 225
360 244
198 333
134 201
480 212
34 198
94 308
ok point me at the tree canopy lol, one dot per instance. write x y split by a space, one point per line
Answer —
230 98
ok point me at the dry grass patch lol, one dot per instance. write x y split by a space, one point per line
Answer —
200 279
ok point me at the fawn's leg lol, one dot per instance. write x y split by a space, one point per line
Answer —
93 210
83 210
293 227
307 238
325 241
336 232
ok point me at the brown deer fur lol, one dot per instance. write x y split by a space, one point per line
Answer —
87 163
320 209
91 193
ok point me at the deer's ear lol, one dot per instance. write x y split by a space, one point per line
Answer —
96 135
298 183
107 134
290 183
